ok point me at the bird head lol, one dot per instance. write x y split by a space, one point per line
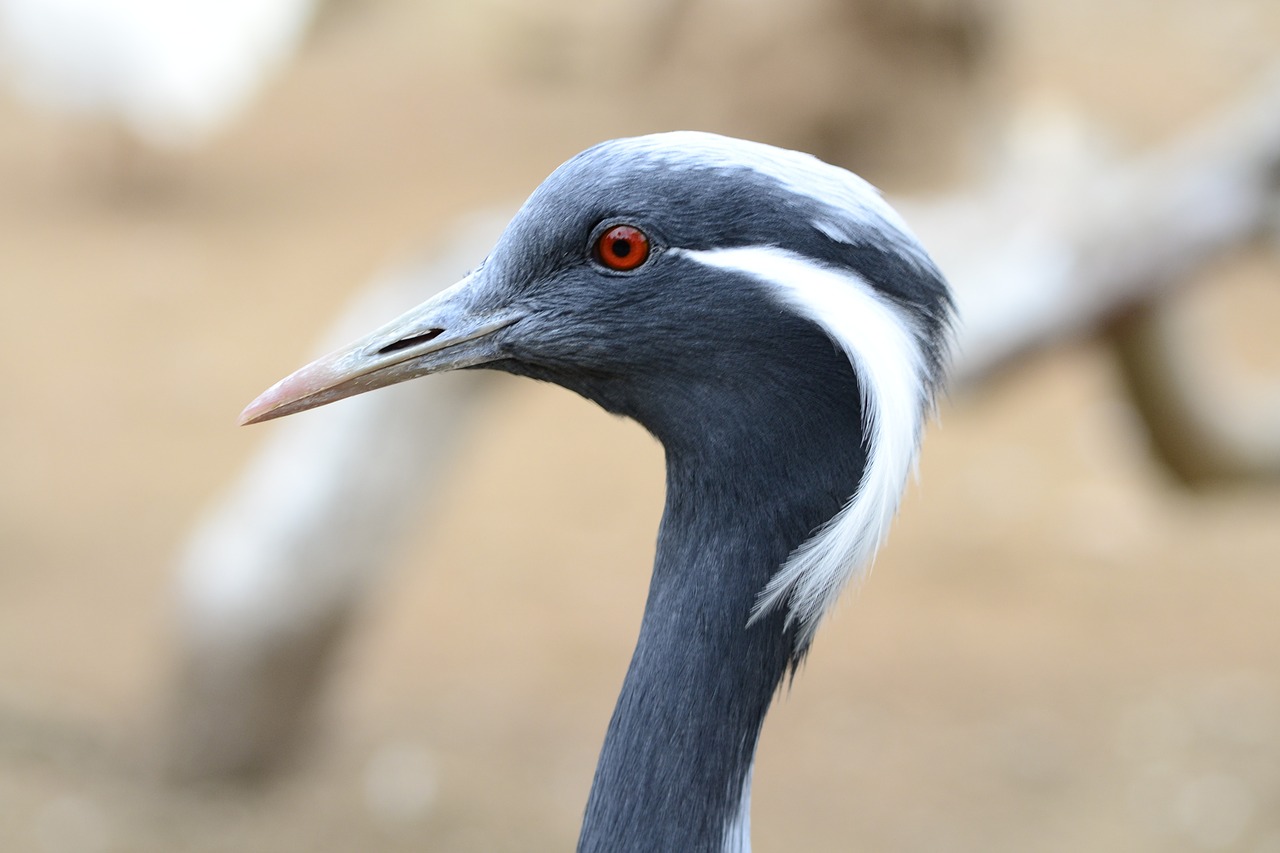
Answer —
678 278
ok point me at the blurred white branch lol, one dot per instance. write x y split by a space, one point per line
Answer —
271 576
1063 246
1206 428
1056 247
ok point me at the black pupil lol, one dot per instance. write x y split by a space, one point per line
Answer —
621 247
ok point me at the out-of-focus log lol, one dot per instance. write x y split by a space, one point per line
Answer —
272 576
1037 259
1206 431
1063 247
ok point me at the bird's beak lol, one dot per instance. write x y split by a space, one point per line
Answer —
446 332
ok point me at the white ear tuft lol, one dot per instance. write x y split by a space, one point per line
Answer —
888 354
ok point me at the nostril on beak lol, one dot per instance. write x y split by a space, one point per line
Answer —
412 341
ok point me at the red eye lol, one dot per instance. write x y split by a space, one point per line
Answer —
622 248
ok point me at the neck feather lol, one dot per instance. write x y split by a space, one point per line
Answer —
674 773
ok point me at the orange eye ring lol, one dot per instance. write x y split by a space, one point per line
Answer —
622 248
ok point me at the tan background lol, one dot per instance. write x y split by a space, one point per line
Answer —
1058 651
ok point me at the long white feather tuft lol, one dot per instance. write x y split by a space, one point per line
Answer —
887 353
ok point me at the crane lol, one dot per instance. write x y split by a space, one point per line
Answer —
777 327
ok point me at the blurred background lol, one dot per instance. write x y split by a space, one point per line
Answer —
1064 646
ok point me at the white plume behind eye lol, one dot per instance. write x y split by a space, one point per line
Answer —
887 353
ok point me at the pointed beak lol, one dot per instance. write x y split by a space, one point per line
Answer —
446 332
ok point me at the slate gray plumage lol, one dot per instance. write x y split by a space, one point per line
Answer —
783 340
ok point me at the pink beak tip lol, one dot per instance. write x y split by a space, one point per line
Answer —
254 413
264 407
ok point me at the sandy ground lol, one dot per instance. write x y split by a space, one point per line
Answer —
1058 651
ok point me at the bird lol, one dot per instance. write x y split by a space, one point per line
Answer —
775 324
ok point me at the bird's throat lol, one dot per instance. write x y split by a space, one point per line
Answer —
678 753
674 773
758 458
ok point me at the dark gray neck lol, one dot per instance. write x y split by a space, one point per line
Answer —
684 731
745 486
